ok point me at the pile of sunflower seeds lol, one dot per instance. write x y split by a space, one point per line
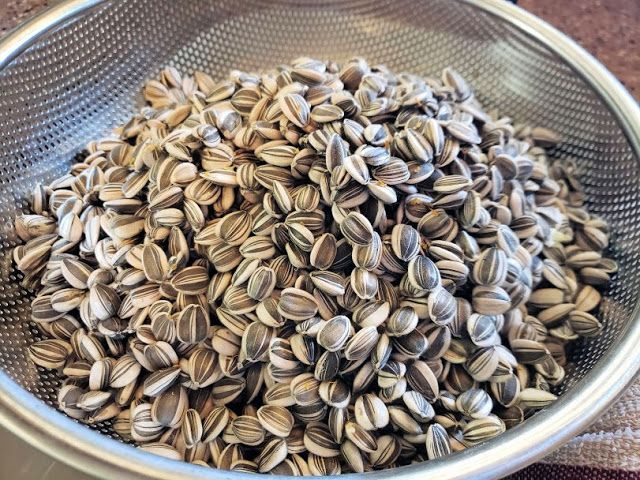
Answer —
312 270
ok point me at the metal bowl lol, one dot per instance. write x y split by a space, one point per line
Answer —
75 71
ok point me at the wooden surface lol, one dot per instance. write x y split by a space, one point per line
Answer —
609 29
12 12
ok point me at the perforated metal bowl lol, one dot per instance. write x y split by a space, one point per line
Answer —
74 72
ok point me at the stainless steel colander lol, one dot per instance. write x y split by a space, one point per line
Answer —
76 71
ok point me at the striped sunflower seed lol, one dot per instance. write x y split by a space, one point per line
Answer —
490 300
474 403
364 283
534 398
296 109
192 324
255 342
387 452
214 423
191 280
296 304
191 428
273 453
361 438
276 420
318 441
154 262
304 389
104 301
357 229
423 273
334 334
75 272
202 368
261 283
160 380
226 390
482 429
437 442
418 406
50 354
361 344
335 393
370 412
490 268
352 456
248 430
422 379
328 282
402 322
405 242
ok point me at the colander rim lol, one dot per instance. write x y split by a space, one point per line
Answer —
87 450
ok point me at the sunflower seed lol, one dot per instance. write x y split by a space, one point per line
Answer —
328 282
76 273
304 389
422 379
191 428
474 403
192 324
295 108
423 273
159 381
296 304
66 299
587 299
552 316
191 280
335 393
154 262
371 413
387 452
405 242
368 257
357 229
490 268
441 306
104 301
273 453
215 422
437 442
255 341
482 429
490 300
318 441
93 400
49 354
584 324
334 333
482 330
391 373
361 344
364 283
418 405
143 427
227 390
248 430
401 322
202 368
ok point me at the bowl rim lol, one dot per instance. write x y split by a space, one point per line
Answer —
91 452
